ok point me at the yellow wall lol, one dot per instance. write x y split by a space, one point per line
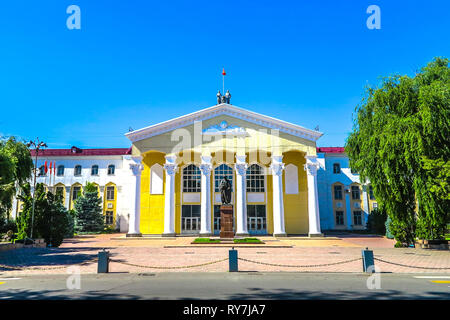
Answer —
152 205
112 203
293 148
296 205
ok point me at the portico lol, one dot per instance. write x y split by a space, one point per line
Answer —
269 162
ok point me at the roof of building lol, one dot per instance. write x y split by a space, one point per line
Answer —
74 151
331 150
223 109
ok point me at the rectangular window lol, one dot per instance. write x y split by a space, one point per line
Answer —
356 193
338 192
188 211
336 168
109 193
339 218
59 193
357 218
75 193
109 217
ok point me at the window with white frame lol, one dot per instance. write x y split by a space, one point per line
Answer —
219 173
255 179
191 179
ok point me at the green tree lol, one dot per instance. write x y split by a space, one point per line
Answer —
89 216
52 222
23 221
397 125
15 169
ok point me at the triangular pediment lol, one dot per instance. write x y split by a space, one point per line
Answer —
224 127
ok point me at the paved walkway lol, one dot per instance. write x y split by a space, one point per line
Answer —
304 253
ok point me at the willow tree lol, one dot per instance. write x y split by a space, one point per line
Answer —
15 169
401 131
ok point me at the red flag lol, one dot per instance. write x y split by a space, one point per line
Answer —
45 167
51 167
54 168
223 72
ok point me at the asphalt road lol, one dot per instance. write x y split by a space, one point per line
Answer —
228 286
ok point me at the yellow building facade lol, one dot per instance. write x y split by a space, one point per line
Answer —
178 165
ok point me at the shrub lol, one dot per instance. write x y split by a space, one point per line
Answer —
376 222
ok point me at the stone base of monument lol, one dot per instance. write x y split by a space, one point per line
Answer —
226 222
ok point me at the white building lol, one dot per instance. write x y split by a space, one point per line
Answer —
107 168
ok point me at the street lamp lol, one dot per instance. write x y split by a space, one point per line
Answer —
37 145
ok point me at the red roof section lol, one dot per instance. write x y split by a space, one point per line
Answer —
331 150
77 152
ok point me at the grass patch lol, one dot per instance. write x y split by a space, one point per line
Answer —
206 240
248 240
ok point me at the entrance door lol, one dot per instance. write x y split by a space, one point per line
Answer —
191 224
256 219
190 219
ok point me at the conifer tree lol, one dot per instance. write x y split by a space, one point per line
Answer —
88 209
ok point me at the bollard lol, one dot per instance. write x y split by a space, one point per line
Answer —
368 261
103 261
233 260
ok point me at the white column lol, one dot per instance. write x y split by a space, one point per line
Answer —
135 216
169 196
205 210
68 197
311 167
241 196
277 189
348 207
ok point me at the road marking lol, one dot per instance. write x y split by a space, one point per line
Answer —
440 281
1 282
432 277
2 279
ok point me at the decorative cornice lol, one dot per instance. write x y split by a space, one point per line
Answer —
223 109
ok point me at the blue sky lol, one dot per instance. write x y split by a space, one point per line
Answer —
137 63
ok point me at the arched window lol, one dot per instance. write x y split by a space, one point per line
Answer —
42 171
111 169
60 170
77 170
255 179
94 170
336 168
219 173
191 179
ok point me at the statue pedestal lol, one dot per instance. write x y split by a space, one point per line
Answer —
226 222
